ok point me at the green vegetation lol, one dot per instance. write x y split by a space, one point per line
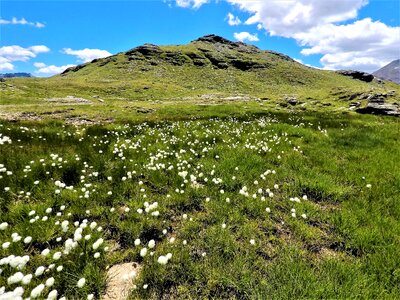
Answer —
341 241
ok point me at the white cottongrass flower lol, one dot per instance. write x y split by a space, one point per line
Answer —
52 295
81 282
27 240
37 291
268 210
369 186
252 242
45 252
15 278
162 260
39 271
143 252
50 282
223 225
57 255
137 242
27 279
5 245
96 255
97 244
3 226
90 297
152 244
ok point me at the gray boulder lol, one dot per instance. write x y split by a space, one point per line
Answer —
357 75
376 108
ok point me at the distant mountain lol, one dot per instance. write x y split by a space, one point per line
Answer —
390 72
11 75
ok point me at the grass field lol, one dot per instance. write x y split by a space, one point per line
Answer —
229 202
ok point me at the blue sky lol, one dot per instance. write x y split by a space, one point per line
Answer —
43 37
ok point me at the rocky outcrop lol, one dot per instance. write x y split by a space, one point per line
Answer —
74 69
377 106
280 55
357 75
214 39
146 50
380 109
220 41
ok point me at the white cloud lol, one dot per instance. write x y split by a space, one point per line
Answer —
50 70
233 20
86 55
191 3
39 65
8 54
14 53
246 36
286 18
23 21
364 45
5 64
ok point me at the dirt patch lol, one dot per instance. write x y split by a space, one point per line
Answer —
85 121
25 116
120 281
72 100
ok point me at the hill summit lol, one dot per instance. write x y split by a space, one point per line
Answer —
208 51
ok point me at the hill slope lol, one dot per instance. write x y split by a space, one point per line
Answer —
209 70
390 72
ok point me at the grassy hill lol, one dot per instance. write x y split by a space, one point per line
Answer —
208 70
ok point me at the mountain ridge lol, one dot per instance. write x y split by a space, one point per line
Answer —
389 72
15 75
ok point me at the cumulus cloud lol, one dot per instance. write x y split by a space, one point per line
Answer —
190 3
286 18
14 53
364 45
86 55
50 70
23 21
5 64
246 36
9 54
39 65
233 20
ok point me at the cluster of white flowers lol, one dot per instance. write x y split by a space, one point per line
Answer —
4 139
190 163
